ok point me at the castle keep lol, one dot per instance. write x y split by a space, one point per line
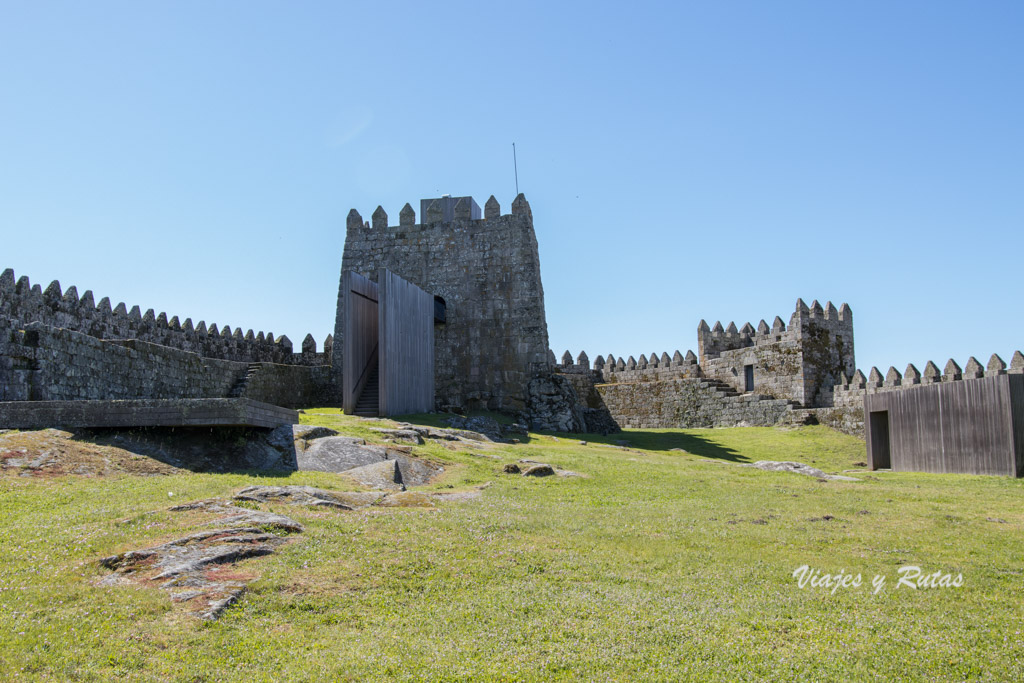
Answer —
485 273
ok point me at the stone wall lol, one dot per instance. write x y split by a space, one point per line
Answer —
793 367
42 363
777 366
495 338
16 362
291 386
26 303
688 403
178 412
67 366
800 363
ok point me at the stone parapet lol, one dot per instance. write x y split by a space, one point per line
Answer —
26 303
210 412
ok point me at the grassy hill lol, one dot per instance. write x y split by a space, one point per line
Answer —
664 561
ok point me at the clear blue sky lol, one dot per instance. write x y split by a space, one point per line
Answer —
683 161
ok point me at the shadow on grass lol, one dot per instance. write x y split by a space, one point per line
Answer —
666 441
236 450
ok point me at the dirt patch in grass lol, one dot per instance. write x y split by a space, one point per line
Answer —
54 453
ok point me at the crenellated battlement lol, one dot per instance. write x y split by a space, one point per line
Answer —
653 367
798 362
24 303
435 213
713 341
850 391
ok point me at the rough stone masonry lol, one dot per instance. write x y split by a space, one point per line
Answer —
494 341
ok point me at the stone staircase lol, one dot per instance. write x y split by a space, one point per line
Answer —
692 402
718 385
243 381
727 390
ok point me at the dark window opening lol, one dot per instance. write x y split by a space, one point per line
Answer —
748 376
440 311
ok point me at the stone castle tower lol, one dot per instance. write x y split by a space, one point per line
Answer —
485 273
800 362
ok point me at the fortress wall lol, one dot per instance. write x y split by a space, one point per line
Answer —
657 367
15 363
43 363
687 404
67 366
800 362
290 386
778 369
25 303
794 366
495 339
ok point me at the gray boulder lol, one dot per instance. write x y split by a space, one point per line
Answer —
539 471
384 475
309 496
796 468
338 454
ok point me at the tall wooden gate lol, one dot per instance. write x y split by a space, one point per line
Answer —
388 345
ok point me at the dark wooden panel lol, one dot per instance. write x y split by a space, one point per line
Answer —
976 429
406 326
916 423
879 456
361 333
964 427
1016 384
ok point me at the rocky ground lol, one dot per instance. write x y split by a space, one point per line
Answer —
201 570
54 452
204 570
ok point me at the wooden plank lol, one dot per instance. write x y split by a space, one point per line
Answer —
406 344
965 426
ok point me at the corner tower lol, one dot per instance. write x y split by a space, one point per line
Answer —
485 272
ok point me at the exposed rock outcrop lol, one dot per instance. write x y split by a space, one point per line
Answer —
796 468
554 406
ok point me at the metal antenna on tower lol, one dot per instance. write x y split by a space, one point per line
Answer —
515 165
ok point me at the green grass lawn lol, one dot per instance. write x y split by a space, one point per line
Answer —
659 564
